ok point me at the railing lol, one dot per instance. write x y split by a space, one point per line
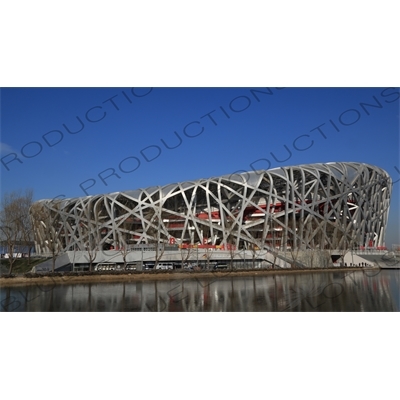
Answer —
371 250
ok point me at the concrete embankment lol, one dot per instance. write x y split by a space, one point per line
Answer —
67 279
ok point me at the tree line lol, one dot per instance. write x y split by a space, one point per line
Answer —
16 228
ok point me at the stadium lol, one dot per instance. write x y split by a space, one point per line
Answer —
266 215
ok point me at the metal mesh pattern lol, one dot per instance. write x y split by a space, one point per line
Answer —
316 206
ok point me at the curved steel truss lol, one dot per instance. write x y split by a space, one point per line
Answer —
325 206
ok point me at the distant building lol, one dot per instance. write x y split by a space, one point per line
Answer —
317 206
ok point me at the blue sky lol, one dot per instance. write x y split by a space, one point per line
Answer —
119 136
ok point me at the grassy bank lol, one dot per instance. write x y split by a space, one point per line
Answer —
21 265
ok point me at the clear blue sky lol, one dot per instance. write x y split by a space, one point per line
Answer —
129 126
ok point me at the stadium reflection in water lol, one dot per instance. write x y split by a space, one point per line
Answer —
374 290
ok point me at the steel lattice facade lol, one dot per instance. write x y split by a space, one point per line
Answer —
315 206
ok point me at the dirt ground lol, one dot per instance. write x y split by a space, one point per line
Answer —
173 275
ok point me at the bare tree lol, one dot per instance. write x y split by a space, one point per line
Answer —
255 250
208 255
232 249
123 248
25 203
15 224
261 254
92 253
185 254
90 231
90 246
44 216
154 232
348 241
10 233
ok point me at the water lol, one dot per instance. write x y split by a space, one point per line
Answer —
376 290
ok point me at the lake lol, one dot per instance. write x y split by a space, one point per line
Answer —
368 290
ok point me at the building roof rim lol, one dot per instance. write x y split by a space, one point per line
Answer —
251 172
